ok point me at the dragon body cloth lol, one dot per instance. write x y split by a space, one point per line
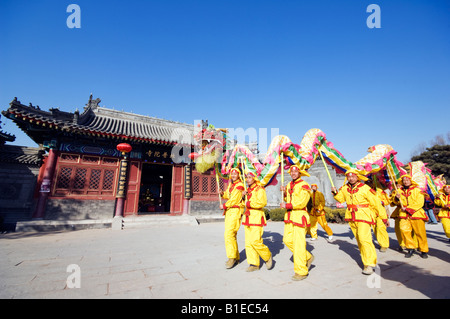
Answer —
380 163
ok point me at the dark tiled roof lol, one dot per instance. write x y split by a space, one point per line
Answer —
101 121
21 155
6 137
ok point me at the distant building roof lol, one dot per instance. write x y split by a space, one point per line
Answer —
21 155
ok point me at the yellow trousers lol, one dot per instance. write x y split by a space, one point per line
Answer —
398 234
232 224
446 224
363 235
294 238
254 247
380 232
407 227
322 221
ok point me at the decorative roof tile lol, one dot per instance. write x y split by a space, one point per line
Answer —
104 122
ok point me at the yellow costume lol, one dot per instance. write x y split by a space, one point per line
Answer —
234 207
444 213
412 217
395 216
379 228
317 215
361 204
296 221
254 220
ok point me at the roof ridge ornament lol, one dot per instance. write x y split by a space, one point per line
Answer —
93 104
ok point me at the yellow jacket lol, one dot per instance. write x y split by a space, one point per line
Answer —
233 194
297 196
397 209
256 201
384 200
444 202
413 200
318 204
383 196
362 202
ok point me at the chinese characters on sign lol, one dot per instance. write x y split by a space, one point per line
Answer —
159 155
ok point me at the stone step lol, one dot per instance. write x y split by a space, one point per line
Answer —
61 225
201 219
157 220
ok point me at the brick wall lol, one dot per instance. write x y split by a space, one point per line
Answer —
76 209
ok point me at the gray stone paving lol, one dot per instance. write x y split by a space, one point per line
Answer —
187 262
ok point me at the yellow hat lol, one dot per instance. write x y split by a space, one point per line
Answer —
354 171
301 171
400 180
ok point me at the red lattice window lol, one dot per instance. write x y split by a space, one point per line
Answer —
69 158
64 177
79 178
95 178
108 179
86 178
90 159
204 186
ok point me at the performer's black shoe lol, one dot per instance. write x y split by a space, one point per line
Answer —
424 255
409 253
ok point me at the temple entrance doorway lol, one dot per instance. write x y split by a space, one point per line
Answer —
155 190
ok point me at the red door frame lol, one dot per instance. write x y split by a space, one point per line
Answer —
176 201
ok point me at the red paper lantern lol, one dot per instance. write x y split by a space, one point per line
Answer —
124 148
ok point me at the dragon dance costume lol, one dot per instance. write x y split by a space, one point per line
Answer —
317 215
444 214
362 203
233 209
296 222
254 219
411 216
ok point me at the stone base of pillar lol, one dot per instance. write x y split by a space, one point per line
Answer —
117 223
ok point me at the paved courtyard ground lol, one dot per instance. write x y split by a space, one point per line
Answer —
187 262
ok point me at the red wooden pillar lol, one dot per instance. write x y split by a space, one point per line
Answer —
121 193
45 187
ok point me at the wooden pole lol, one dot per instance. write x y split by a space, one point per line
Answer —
243 173
326 168
218 185
282 174
394 182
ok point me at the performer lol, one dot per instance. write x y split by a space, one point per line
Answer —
444 214
395 216
317 214
233 209
296 221
381 218
412 216
254 220
361 203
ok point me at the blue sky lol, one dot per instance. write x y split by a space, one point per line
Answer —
292 65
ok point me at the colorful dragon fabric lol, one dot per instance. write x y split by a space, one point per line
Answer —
380 163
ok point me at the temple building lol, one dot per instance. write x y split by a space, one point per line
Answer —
103 163
80 175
